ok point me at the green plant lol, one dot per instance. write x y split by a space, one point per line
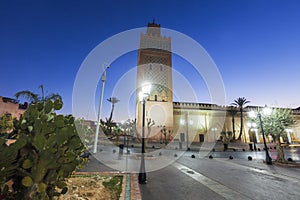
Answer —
226 136
240 103
46 152
114 184
6 123
276 124
34 98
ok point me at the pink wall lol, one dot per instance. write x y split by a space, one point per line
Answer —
7 105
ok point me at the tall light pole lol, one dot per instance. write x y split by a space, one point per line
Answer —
146 88
266 111
100 107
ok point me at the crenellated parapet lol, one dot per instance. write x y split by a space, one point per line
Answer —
198 106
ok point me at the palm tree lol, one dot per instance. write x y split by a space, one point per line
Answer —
232 111
240 103
109 121
34 98
113 101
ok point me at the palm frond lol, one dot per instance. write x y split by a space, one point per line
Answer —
28 95
53 96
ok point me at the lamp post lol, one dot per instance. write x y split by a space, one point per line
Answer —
146 88
100 107
252 133
266 111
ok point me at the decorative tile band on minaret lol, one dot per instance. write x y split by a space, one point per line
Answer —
155 67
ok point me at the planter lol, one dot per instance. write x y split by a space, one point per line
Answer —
95 186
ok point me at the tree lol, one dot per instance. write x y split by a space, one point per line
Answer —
276 124
34 98
150 123
109 121
132 125
113 101
164 131
226 137
240 103
233 111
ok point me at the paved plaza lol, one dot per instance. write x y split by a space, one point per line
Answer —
203 178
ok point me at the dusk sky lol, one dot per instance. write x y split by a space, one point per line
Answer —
255 44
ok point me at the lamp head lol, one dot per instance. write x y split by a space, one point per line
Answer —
146 88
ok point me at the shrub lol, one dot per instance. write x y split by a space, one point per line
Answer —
46 152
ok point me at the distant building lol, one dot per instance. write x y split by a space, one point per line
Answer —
190 122
12 107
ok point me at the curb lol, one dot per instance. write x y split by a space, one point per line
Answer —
135 192
289 164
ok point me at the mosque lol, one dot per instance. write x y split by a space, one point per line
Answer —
186 121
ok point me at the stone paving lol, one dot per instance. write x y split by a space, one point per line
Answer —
157 180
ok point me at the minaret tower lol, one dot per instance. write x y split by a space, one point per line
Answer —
155 68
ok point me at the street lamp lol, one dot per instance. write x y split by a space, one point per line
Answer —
100 106
252 133
266 111
146 88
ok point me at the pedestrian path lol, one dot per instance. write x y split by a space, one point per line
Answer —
218 188
261 169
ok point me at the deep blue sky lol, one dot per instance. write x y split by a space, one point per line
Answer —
254 43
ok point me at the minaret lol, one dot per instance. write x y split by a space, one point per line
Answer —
155 67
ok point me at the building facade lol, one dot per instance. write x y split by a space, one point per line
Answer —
11 107
190 122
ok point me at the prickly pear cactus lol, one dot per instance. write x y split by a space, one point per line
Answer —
47 151
8 164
